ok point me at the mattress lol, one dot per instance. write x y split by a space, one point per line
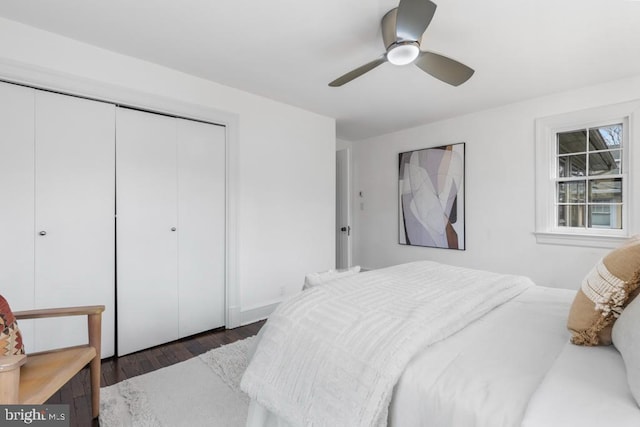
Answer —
512 367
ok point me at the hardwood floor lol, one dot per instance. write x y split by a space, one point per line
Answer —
76 393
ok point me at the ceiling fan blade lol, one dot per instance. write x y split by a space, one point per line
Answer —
446 69
358 72
414 16
388 26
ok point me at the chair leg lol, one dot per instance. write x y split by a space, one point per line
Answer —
95 340
94 370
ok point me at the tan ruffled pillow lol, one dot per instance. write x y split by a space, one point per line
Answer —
612 284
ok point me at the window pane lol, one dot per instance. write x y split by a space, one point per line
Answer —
605 216
572 192
605 190
605 137
572 142
571 215
572 165
604 163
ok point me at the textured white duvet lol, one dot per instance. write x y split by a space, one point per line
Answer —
331 356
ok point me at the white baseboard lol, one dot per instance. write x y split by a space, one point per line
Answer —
233 317
256 314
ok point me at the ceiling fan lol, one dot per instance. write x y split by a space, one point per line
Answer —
402 30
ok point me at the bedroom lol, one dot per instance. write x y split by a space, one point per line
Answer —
278 138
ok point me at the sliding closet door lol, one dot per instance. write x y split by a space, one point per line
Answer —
75 235
146 190
17 200
201 226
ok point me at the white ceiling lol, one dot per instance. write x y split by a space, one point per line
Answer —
288 50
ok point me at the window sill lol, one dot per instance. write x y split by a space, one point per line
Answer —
586 240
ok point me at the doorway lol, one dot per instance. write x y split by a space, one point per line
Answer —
343 208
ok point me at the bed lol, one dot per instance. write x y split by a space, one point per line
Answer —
507 362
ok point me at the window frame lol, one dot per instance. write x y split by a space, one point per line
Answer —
547 230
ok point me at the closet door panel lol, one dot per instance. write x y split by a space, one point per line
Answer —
75 230
17 201
146 191
201 226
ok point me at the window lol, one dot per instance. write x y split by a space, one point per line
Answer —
589 177
583 177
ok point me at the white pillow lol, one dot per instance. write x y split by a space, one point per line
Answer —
315 279
626 338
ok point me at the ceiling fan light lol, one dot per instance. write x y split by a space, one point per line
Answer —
403 53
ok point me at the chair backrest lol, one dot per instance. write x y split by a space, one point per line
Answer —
33 380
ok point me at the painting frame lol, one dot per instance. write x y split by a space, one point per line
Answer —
431 197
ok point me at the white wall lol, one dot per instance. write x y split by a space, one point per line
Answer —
285 171
499 190
342 144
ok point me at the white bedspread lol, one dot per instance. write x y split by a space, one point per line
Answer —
332 355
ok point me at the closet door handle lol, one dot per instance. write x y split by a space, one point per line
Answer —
43 233
173 229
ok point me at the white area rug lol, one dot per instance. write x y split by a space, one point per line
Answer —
203 391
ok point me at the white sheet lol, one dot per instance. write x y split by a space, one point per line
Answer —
485 374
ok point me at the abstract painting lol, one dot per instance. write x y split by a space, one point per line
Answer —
431 202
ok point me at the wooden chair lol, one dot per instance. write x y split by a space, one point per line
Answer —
32 379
